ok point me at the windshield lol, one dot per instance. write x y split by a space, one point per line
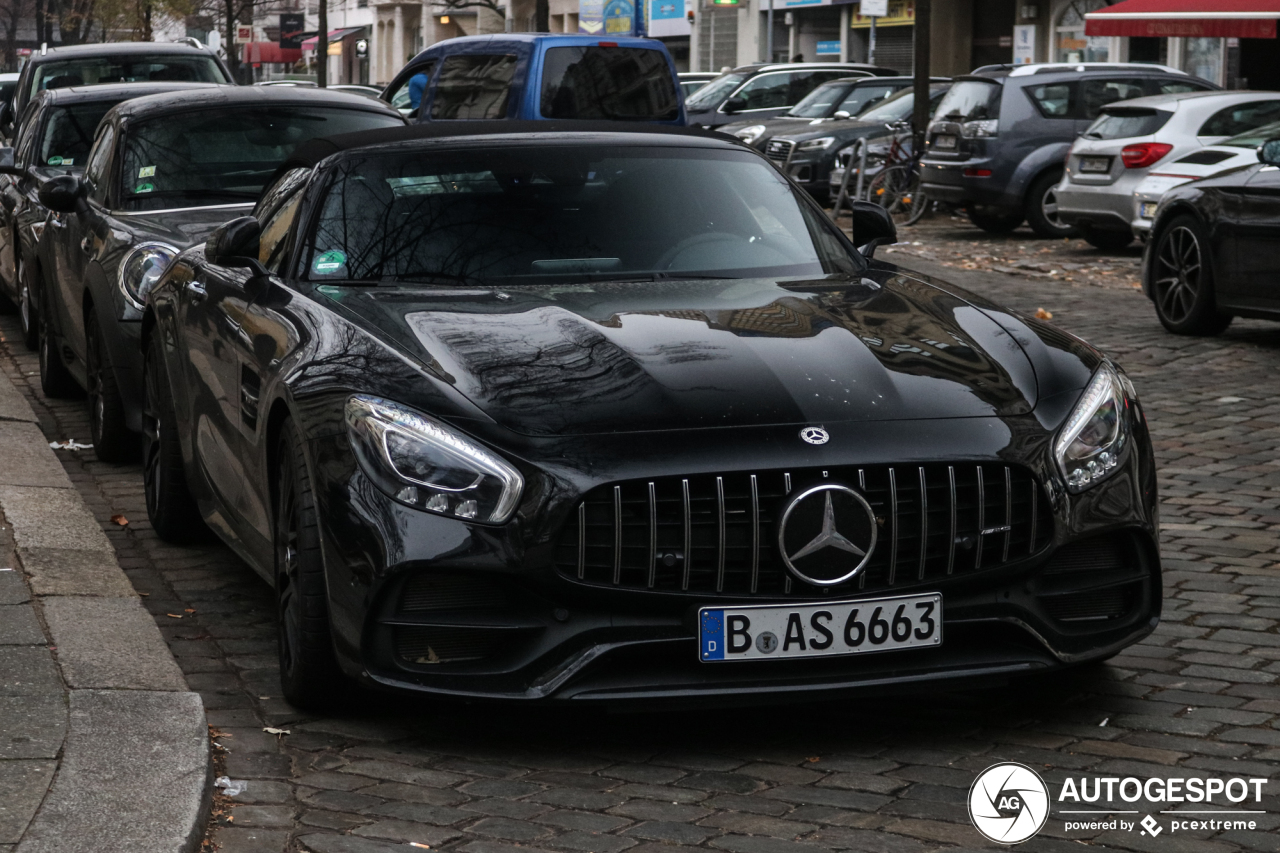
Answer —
223 156
971 100
68 133
91 71
568 212
615 83
821 102
864 98
710 95
1254 138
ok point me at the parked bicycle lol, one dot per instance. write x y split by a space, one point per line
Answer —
896 184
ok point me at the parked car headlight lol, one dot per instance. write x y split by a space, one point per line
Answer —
816 144
142 268
750 133
425 465
980 129
1089 445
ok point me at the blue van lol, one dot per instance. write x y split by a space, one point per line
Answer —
530 76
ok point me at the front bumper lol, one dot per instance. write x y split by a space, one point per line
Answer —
425 603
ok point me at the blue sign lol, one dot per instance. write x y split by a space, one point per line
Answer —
591 17
826 48
619 17
712 631
668 18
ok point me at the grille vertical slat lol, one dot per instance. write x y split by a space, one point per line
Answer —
718 532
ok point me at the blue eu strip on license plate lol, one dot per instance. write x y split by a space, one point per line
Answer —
825 629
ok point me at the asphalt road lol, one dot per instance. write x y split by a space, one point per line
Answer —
1197 698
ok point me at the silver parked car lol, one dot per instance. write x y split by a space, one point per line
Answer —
1131 138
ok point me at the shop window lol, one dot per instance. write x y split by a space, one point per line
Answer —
1203 58
1071 43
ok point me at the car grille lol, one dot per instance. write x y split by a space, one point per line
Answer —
779 150
718 534
1093 580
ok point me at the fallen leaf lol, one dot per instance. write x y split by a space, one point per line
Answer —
422 846
174 615
120 520
1042 314
189 610
813 760
277 732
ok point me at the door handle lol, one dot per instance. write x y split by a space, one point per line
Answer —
196 291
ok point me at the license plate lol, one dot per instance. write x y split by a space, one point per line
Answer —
1095 164
944 143
827 629
1148 210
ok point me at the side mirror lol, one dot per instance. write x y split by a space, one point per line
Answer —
735 105
63 194
1269 152
872 226
841 114
235 244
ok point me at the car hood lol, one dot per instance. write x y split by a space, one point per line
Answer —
621 357
181 228
843 129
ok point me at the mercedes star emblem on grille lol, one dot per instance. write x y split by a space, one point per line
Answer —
827 534
815 435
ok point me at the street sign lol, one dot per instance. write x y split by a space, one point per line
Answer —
362 48
874 8
292 26
828 48
244 35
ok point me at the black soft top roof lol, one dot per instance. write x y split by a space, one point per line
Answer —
201 97
115 91
310 153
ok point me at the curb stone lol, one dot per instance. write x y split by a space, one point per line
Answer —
113 750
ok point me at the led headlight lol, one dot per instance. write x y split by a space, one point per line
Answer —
142 268
816 144
425 465
750 133
1089 445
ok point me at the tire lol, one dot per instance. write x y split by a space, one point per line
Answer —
55 379
1041 208
1108 241
897 190
1182 282
994 222
170 507
112 440
28 311
309 674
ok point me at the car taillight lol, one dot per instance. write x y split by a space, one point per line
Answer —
1144 154
977 173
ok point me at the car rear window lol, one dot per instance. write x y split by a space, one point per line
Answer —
68 133
614 83
971 100
474 86
92 71
1124 123
1241 118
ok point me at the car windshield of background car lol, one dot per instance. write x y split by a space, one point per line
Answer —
821 102
971 100
222 156
126 69
567 213
68 133
612 83
710 95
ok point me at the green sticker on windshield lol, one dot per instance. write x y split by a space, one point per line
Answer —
144 188
55 161
329 262
147 172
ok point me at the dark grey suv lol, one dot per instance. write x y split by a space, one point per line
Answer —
998 140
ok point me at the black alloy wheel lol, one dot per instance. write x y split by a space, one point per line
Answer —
309 674
994 221
1042 208
28 313
55 379
1182 280
170 507
1108 241
112 440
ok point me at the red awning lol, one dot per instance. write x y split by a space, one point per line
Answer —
258 52
1186 19
334 35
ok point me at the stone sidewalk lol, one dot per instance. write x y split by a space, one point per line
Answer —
102 745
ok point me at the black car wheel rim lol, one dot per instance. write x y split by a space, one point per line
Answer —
1177 281
290 603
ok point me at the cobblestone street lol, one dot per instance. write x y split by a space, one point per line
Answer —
889 775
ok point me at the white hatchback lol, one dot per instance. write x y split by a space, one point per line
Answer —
1130 139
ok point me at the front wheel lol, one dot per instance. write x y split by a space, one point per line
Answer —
1182 280
1042 208
309 674
897 190
170 507
55 379
112 440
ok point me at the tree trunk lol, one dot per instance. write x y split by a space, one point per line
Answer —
40 32
233 49
322 45
542 16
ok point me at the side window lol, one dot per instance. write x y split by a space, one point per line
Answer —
97 168
1098 93
1174 87
1056 100
407 97
473 87
767 91
1240 118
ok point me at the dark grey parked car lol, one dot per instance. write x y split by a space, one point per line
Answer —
763 91
998 141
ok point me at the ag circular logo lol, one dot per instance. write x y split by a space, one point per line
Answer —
1008 803
827 534
814 435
